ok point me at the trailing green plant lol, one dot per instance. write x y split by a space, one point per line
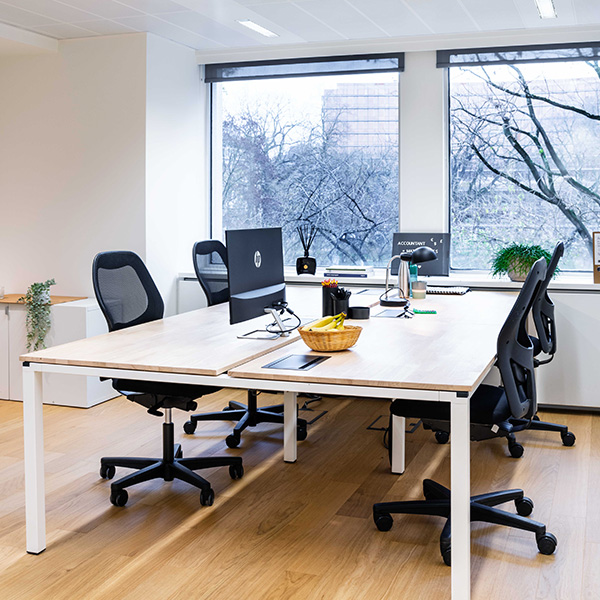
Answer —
37 301
518 259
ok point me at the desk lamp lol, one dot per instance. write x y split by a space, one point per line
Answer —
414 257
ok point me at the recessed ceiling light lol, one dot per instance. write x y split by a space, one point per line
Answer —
258 28
546 9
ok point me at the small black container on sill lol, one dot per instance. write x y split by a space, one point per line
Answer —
306 264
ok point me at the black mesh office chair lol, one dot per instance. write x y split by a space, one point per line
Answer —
543 318
490 405
545 326
210 264
128 296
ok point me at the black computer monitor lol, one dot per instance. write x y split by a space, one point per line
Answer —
255 272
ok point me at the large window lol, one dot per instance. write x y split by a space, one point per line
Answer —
319 150
525 152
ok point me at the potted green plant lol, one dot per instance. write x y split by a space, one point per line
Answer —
516 260
37 301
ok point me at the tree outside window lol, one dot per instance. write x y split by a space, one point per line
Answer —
311 150
525 159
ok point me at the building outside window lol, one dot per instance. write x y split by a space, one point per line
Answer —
318 150
524 153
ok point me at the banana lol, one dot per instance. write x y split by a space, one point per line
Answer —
318 324
335 323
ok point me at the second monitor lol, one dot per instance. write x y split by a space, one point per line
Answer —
255 272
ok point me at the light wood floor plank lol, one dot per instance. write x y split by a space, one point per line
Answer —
288 531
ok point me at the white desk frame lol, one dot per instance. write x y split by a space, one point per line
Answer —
459 449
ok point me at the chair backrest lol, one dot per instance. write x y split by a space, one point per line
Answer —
543 307
515 348
125 290
210 264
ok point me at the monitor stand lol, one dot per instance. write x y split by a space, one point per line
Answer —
283 332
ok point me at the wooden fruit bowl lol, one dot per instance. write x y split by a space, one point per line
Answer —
331 341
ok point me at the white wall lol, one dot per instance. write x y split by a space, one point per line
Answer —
72 160
175 163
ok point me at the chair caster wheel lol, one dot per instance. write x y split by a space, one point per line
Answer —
446 554
207 497
568 439
535 418
189 427
442 437
383 522
107 472
516 450
301 434
524 506
119 498
232 441
546 543
236 471
179 453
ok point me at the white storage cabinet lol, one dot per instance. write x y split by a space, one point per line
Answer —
70 321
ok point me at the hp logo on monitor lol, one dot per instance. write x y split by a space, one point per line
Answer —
257 259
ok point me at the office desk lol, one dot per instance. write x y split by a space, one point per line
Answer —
439 357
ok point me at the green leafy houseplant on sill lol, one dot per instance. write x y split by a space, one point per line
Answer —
516 260
37 301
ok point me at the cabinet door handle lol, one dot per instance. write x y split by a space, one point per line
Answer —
6 310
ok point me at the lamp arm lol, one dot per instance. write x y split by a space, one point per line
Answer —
388 270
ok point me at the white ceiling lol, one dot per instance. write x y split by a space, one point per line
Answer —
210 25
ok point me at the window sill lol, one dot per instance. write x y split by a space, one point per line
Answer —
473 279
576 282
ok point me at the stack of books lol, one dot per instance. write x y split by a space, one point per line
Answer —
347 271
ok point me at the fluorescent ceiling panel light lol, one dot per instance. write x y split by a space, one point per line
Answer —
546 9
258 28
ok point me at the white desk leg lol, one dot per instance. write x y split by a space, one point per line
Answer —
35 509
460 509
398 441
290 423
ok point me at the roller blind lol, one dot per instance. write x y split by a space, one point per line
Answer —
518 54
304 67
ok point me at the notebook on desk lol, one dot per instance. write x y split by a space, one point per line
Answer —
453 290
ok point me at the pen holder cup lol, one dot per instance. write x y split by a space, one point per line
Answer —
340 306
328 301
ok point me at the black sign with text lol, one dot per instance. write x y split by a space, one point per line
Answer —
438 242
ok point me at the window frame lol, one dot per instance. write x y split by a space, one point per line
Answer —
216 213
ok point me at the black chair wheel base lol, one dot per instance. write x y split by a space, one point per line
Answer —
189 427
546 543
207 497
568 439
107 472
442 437
232 441
383 522
119 498
536 418
301 434
516 450
524 506
236 471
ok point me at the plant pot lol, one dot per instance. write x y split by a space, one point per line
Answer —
513 276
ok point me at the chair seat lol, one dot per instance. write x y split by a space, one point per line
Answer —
489 405
161 388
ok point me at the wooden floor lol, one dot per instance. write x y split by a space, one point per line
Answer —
302 530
